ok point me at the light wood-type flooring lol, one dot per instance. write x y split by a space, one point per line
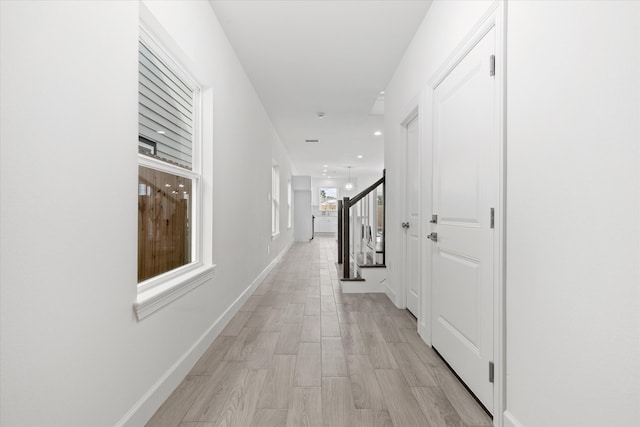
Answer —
300 353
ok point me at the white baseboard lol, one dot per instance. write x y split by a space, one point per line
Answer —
391 293
149 403
508 420
425 334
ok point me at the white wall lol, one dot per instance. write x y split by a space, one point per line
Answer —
573 301
71 351
573 93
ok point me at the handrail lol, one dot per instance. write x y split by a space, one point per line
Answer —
344 205
366 191
340 232
384 216
346 255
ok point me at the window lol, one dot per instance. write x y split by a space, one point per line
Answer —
328 199
289 218
169 172
275 200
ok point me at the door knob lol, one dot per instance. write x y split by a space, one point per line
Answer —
433 237
405 225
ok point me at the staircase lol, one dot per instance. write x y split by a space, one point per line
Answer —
361 245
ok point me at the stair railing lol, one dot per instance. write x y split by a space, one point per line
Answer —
357 231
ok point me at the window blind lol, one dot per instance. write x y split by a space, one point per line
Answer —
165 109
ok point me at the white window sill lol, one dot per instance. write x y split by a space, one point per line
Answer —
152 299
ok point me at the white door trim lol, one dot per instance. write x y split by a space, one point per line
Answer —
426 102
414 113
495 17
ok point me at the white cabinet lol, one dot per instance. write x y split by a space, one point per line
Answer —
326 224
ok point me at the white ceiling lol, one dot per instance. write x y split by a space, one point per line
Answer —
331 56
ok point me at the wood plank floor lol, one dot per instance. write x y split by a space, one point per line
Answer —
301 353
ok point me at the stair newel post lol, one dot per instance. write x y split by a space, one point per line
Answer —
384 215
346 258
340 256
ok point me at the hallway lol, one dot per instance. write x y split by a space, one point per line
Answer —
300 353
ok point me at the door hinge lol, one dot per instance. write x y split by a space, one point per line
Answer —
434 219
491 372
492 65
493 218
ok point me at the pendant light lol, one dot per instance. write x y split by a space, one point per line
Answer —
349 185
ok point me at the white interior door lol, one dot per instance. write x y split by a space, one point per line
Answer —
465 180
412 258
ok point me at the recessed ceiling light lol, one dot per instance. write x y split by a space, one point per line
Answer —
381 92
161 132
325 166
167 185
324 170
360 156
320 115
377 133
328 177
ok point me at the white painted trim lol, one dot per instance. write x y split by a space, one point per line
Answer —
153 163
148 404
482 27
158 291
170 278
494 17
424 323
161 36
412 111
500 301
510 421
391 293
156 297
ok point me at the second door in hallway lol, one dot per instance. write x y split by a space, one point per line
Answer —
412 250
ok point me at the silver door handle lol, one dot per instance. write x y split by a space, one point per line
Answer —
405 225
433 237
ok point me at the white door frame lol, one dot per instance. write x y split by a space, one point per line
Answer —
426 106
413 112
495 17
